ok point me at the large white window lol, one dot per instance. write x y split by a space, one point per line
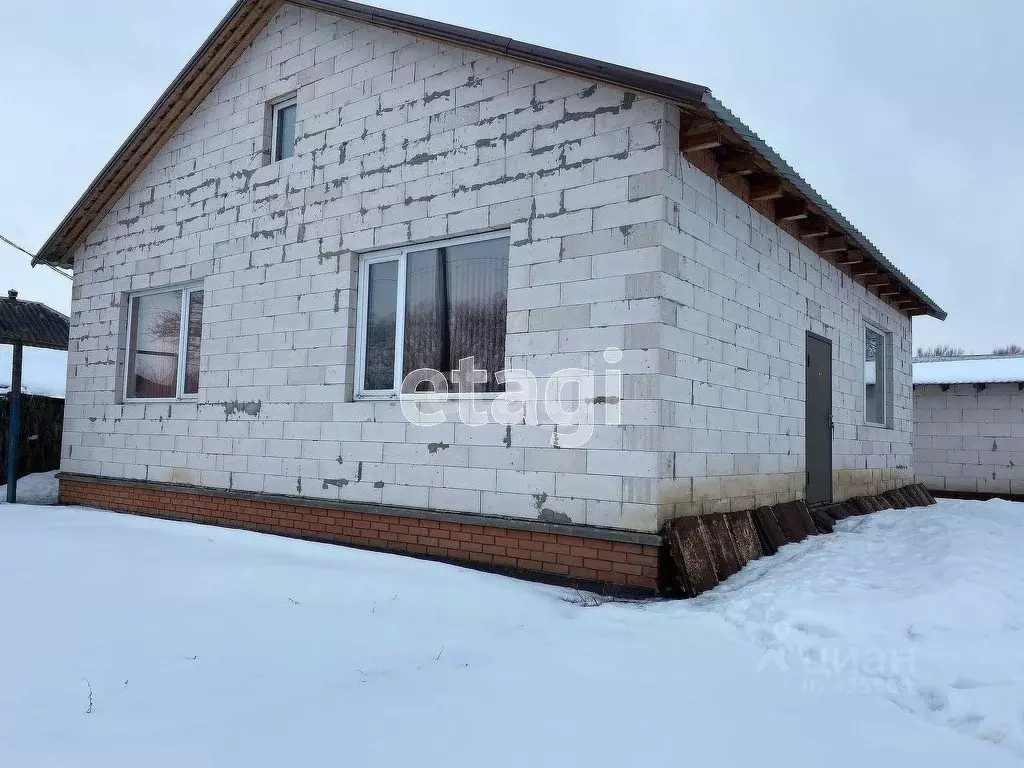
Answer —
432 306
163 350
876 376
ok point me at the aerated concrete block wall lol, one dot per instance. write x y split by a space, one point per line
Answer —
968 440
400 140
743 293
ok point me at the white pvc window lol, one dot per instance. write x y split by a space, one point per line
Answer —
163 349
431 306
283 130
876 376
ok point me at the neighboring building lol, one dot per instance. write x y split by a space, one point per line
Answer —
40 335
321 172
969 424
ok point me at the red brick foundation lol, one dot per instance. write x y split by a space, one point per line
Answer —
579 556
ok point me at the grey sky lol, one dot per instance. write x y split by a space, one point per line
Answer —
906 116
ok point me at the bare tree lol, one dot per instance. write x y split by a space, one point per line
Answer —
941 350
1011 349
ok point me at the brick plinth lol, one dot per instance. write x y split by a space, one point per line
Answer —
547 555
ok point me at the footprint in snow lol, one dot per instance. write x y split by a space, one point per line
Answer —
934 699
967 684
817 630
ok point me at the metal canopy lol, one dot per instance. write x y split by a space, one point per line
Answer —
32 324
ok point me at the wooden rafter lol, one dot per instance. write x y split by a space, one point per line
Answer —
850 258
814 227
836 244
735 163
705 139
766 189
790 209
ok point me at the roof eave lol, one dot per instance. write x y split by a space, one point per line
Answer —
786 172
51 251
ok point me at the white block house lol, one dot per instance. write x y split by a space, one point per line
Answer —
330 196
969 425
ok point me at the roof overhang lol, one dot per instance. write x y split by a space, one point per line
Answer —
32 324
706 120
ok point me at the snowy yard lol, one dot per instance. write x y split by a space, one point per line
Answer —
40 488
129 641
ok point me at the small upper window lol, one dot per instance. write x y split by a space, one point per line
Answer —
876 382
283 131
158 341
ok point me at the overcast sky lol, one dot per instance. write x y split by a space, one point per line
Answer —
907 116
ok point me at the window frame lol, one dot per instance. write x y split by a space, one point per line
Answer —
884 366
400 255
186 291
275 113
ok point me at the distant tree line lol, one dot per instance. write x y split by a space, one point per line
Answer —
944 350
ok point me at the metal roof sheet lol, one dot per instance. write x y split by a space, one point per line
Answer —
972 369
32 324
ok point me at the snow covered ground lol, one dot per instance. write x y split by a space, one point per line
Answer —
128 641
924 607
40 488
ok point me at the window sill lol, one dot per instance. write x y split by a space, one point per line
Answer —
158 400
426 397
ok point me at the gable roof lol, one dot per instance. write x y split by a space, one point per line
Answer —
707 125
969 369
32 324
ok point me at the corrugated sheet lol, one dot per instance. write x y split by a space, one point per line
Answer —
32 324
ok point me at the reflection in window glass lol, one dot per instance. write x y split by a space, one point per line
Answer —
874 376
284 127
381 320
154 341
455 307
192 345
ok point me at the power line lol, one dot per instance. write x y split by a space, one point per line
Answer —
32 256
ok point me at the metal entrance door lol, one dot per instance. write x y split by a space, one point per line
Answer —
818 419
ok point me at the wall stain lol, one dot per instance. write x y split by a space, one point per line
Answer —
435 447
550 516
244 174
252 408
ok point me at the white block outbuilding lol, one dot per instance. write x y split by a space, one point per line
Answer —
969 424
